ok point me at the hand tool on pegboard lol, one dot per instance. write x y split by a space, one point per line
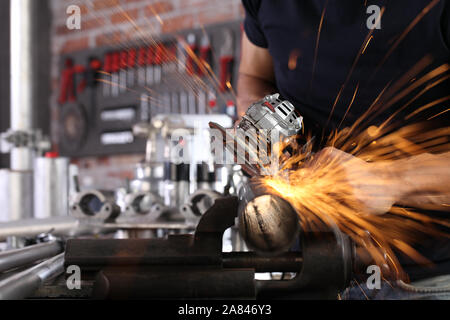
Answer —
123 70
158 61
107 69
205 55
131 67
142 63
191 52
91 80
90 75
69 81
226 61
172 58
150 68
115 74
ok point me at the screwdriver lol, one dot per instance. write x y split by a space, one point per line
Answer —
142 61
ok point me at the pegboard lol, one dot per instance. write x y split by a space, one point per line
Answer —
96 117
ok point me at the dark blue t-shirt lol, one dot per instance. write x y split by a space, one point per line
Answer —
289 30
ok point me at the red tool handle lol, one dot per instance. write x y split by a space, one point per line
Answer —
142 56
123 64
225 72
172 54
66 81
205 58
159 54
190 65
107 66
131 58
150 56
79 69
115 66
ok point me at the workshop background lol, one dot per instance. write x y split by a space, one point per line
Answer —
105 23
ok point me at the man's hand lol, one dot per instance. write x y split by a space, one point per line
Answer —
369 183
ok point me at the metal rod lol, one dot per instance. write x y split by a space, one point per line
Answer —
32 227
23 37
22 257
286 262
23 284
22 19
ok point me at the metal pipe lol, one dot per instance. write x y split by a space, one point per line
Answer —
22 28
22 257
32 227
22 68
23 284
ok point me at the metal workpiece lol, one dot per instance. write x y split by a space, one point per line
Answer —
51 187
22 257
267 223
23 284
95 204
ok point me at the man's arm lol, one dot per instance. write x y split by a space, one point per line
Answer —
256 75
420 181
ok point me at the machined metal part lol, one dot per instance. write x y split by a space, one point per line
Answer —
143 203
21 257
95 204
198 203
51 187
23 284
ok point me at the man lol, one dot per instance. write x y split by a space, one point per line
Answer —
332 59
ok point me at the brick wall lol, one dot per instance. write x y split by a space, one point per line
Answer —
111 22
